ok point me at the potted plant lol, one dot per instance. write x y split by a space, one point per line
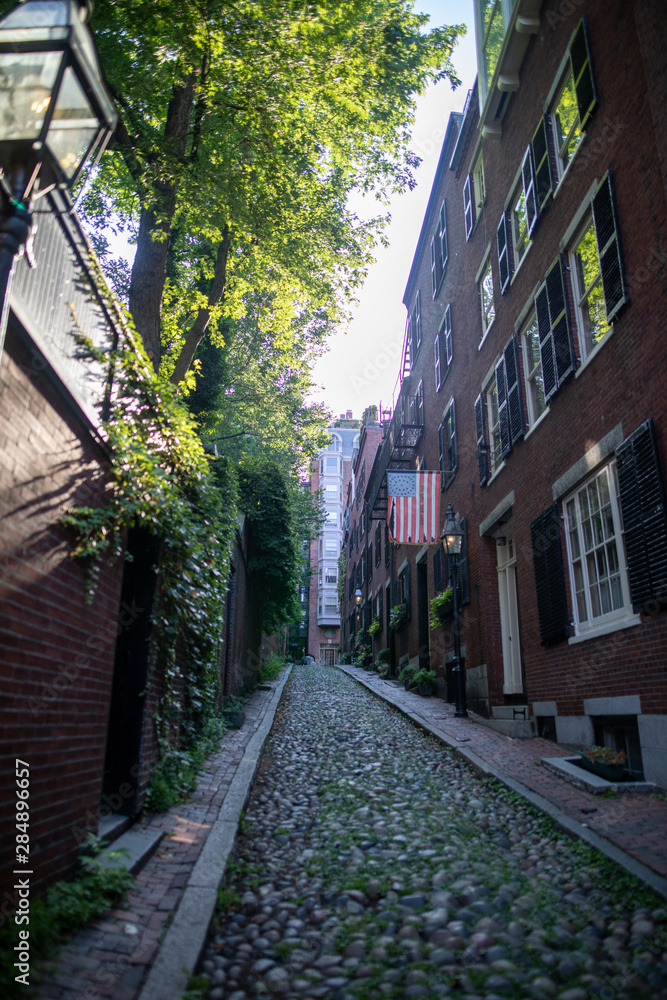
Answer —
233 713
441 605
425 681
383 662
407 675
374 627
603 761
398 615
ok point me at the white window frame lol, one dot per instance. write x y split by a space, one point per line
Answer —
495 452
486 271
530 370
518 195
617 617
581 295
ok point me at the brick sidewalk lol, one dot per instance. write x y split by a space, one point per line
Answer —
110 957
634 823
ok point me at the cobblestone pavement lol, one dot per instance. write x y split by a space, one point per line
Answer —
110 957
373 862
637 823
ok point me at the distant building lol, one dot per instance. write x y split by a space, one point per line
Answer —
330 473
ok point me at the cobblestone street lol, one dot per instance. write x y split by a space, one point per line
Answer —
373 863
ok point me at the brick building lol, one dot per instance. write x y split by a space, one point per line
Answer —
533 377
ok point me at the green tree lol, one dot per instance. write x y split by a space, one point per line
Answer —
244 127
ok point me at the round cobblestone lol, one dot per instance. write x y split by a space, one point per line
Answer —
374 863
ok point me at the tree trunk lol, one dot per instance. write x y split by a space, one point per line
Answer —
149 271
198 329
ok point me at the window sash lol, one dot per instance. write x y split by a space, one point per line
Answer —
486 298
596 553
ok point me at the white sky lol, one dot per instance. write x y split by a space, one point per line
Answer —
361 366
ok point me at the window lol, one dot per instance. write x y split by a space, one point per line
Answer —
415 328
444 350
495 447
519 225
332 492
369 560
332 463
378 607
330 606
474 195
492 35
532 366
595 551
331 574
448 445
331 546
595 264
378 545
387 549
403 588
575 101
439 251
486 298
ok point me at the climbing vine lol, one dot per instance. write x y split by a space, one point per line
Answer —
162 480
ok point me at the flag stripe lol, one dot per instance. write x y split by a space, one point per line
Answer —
415 499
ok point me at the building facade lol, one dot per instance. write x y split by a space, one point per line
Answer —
330 474
533 378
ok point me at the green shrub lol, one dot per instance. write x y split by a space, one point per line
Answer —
407 674
175 775
271 668
424 676
384 656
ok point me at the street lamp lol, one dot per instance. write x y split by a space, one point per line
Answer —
55 115
452 540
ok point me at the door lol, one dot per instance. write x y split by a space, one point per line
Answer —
130 674
509 612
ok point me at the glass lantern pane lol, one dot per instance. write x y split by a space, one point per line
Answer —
26 82
37 14
73 126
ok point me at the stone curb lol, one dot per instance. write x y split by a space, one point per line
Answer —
642 872
183 943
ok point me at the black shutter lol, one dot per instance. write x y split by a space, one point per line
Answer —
438 363
530 194
560 321
441 453
549 576
380 607
468 211
542 165
503 413
503 239
387 549
582 72
606 234
438 585
514 399
453 441
482 446
434 268
644 517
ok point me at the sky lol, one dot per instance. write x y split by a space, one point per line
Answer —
361 366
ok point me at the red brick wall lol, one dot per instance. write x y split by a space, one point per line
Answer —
57 652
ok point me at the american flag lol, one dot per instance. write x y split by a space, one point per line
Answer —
414 507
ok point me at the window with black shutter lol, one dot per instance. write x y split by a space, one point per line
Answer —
415 329
556 350
642 499
482 453
450 451
503 240
549 576
438 363
434 268
468 207
387 549
609 254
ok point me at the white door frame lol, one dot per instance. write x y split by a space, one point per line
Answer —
509 610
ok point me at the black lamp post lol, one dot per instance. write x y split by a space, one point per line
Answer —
452 540
55 116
